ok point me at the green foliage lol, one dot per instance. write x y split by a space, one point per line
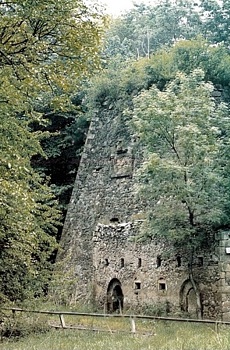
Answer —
214 61
62 148
185 56
119 82
216 21
27 214
148 28
201 130
62 285
145 29
45 49
13 328
114 88
49 40
185 131
156 309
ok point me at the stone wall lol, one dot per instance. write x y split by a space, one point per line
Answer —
99 240
151 273
224 265
103 192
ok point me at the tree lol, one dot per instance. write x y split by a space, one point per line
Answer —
46 48
62 153
186 135
145 29
216 21
28 214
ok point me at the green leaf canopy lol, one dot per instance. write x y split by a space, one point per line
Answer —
186 133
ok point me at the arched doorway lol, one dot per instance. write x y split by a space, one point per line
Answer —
115 297
188 300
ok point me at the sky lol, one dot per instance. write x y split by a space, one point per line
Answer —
116 7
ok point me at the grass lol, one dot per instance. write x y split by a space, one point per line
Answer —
165 336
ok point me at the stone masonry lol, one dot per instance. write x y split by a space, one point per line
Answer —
110 265
151 273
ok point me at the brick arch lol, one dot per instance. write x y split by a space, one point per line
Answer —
115 296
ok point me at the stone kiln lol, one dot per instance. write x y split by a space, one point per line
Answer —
101 238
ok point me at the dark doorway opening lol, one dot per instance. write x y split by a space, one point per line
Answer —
115 297
188 299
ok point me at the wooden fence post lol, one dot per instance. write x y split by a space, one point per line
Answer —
62 320
133 325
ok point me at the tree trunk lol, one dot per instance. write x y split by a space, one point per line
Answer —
196 291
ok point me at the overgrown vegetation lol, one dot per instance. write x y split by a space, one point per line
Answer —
15 328
42 61
174 97
157 60
158 335
186 134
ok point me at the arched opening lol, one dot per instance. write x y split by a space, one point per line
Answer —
115 297
178 259
113 219
188 299
158 261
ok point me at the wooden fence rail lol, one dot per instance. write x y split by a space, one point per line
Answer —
132 318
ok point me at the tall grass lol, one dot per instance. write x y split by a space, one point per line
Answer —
158 335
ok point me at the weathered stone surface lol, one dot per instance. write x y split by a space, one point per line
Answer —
131 261
102 225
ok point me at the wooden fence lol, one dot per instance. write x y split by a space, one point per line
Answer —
132 318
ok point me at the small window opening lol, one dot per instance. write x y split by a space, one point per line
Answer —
122 262
106 262
200 260
139 262
158 262
114 220
122 150
178 259
137 285
162 285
